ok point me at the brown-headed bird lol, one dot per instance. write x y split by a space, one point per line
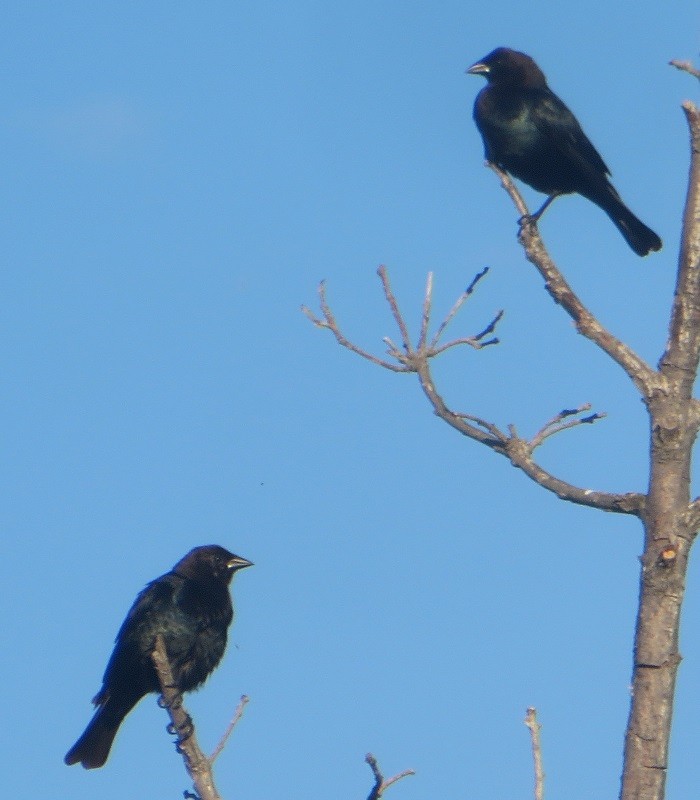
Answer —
190 606
531 134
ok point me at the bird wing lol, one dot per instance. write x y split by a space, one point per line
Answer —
155 594
562 129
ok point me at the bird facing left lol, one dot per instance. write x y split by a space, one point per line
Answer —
530 133
191 608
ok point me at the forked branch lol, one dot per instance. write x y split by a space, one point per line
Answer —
405 357
380 782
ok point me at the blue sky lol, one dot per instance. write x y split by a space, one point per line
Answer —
176 178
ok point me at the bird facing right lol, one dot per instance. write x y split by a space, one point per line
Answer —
190 607
530 133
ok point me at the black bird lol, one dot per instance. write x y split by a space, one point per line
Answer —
531 134
190 606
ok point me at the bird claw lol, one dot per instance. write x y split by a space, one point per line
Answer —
175 703
528 219
183 731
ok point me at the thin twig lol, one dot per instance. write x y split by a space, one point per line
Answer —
406 355
535 727
380 782
229 730
685 66
329 323
561 422
458 304
391 299
425 316
487 426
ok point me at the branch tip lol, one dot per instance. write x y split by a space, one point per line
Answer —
380 782
535 728
685 66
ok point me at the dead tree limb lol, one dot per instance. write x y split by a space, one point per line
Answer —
408 358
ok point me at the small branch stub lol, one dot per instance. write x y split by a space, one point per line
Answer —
534 728
238 713
380 782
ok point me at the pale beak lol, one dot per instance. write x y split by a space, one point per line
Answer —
478 69
238 562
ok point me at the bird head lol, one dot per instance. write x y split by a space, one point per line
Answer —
504 66
211 561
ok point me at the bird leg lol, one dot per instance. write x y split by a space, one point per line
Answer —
532 219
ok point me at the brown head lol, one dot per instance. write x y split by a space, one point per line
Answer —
504 67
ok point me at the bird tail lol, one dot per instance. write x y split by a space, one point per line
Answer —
638 236
92 748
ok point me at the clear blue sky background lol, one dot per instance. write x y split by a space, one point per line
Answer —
176 178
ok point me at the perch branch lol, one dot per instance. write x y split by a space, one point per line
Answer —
197 764
643 376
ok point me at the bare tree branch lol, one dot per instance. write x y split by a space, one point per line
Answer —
535 727
329 323
517 450
380 782
197 764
